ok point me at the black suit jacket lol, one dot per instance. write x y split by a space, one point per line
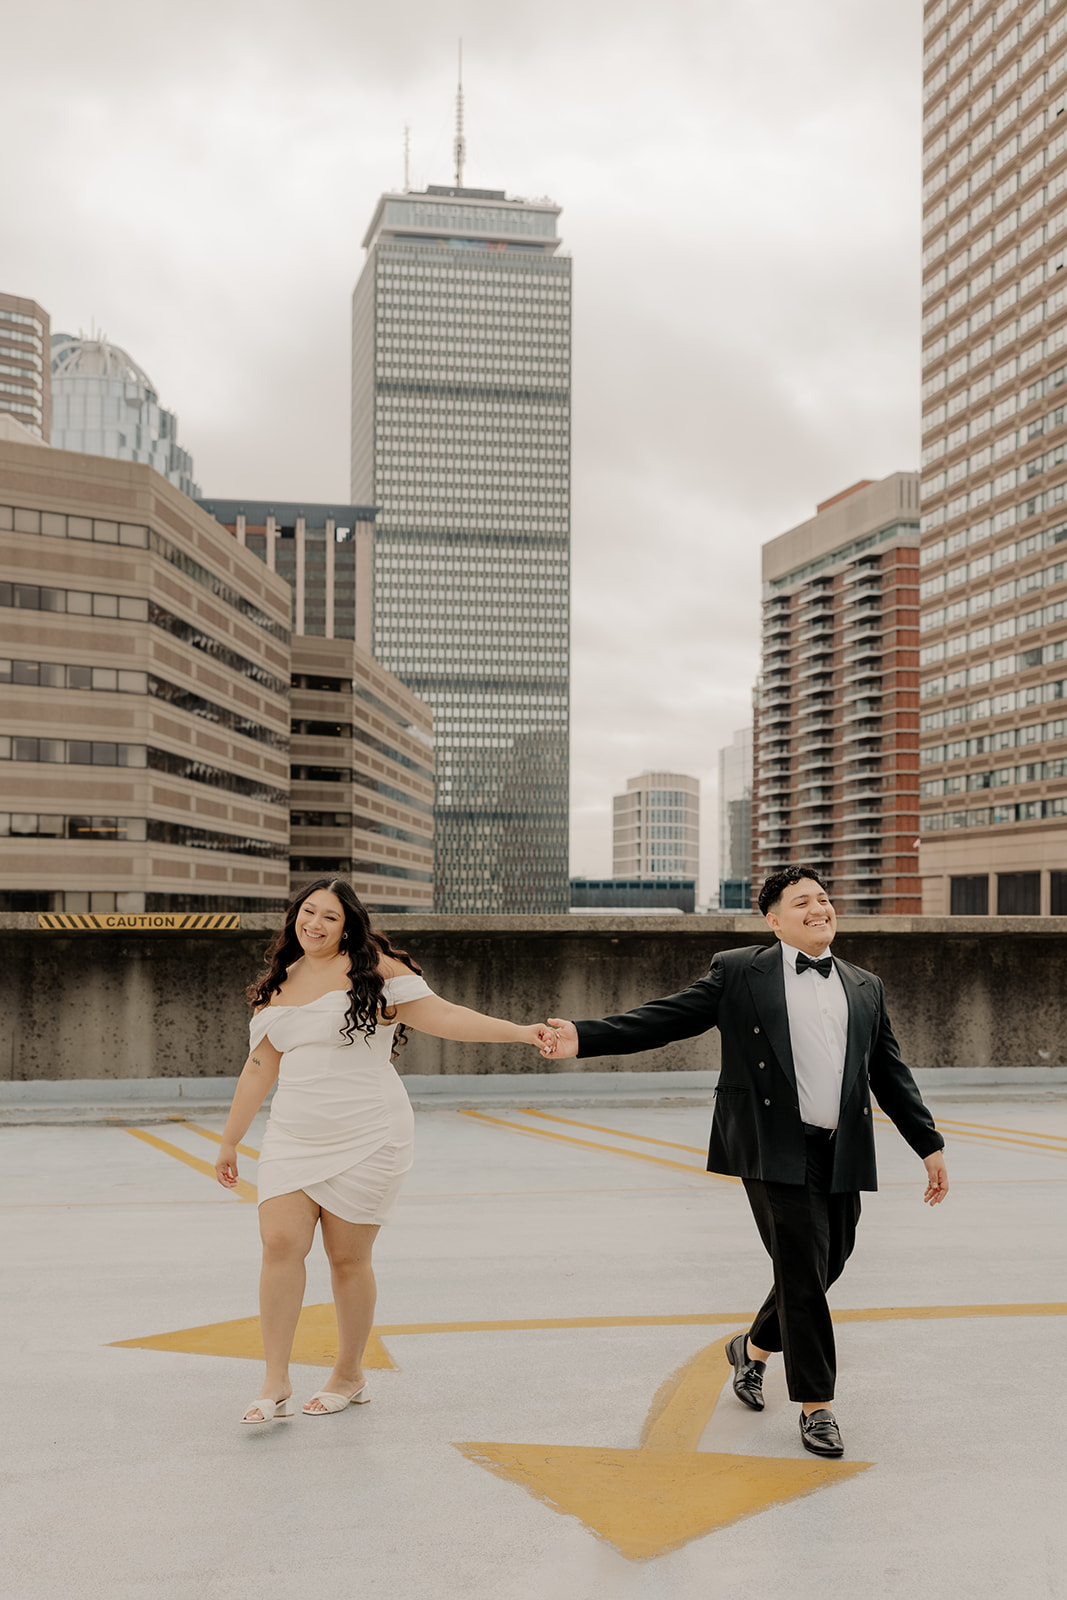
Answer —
756 1131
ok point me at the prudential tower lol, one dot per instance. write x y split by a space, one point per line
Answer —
461 363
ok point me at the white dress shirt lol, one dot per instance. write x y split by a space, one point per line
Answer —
818 1033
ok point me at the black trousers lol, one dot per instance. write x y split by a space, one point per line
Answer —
808 1234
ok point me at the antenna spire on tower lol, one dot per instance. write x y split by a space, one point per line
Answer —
460 146
407 158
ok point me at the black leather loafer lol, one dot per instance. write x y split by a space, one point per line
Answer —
819 1433
748 1375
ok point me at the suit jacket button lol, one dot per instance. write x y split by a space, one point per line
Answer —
755 1030
766 1102
762 1065
866 1110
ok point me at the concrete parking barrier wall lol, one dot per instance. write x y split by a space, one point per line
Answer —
972 993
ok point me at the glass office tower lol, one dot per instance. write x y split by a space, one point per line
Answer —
461 335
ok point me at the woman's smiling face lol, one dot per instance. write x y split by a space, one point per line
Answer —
320 923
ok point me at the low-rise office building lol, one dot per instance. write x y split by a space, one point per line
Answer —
362 784
633 894
324 552
144 732
362 779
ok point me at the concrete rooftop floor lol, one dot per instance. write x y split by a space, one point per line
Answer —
550 1275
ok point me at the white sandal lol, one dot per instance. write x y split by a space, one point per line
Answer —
335 1402
269 1410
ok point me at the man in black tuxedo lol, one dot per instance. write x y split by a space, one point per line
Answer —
805 1042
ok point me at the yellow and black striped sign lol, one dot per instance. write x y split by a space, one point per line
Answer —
145 921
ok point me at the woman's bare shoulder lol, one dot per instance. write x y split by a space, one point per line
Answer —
390 967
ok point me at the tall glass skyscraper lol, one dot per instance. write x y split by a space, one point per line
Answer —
104 404
461 360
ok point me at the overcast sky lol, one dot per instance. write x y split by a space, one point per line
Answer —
740 186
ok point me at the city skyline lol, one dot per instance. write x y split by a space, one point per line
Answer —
815 367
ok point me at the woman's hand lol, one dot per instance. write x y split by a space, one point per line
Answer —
541 1036
226 1166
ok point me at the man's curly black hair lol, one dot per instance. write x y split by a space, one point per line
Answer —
778 882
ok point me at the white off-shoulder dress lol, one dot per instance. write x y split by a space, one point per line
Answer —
340 1127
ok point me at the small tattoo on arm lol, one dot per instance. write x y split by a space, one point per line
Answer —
256 1062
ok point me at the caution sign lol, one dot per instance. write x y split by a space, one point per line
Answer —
148 921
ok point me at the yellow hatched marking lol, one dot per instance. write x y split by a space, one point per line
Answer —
588 1144
965 1130
1008 1136
243 1190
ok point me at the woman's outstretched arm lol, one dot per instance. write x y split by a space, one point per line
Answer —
446 1021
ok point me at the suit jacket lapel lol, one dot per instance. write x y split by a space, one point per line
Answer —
860 996
767 987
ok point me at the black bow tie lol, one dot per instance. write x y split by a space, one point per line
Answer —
824 966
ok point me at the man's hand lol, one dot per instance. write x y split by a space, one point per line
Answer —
566 1040
937 1176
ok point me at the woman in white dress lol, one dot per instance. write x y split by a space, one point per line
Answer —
339 1138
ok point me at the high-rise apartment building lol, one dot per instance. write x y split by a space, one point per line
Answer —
104 404
993 657
837 706
735 823
144 724
362 762
25 374
656 827
461 354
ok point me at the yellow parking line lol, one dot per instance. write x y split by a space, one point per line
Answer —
243 1190
206 1133
710 1318
957 1130
588 1144
645 1138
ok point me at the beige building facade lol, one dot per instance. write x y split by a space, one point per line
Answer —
835 768
993 625
144 721
25 368
656 827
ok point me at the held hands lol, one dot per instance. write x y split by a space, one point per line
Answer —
226 1166
562 1039
937 1175
540 1036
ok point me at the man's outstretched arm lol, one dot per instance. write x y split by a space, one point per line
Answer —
659 1022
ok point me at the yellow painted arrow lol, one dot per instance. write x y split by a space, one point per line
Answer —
315 1344
648 1501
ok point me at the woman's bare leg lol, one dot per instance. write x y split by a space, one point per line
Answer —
287 1227
348 1246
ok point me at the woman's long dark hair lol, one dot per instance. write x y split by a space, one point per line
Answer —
362 944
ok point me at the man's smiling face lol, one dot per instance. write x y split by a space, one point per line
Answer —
804 917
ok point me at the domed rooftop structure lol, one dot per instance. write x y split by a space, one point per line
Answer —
95 358
104 404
